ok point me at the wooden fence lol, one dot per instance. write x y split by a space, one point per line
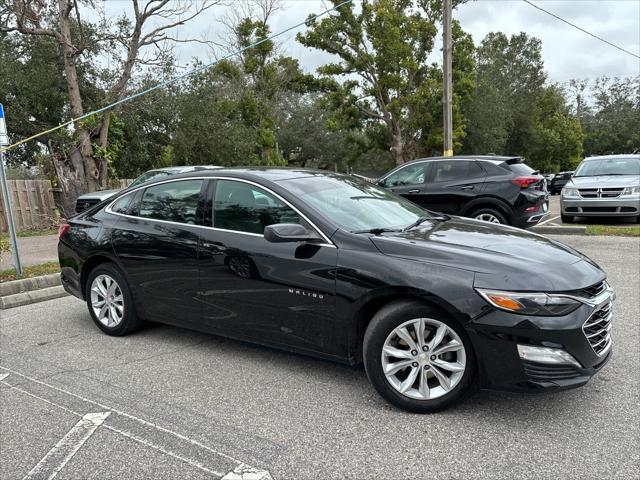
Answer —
33 204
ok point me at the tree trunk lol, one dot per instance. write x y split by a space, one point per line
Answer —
397 145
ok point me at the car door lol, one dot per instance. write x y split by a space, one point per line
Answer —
271 293
408 181
156 243
451 184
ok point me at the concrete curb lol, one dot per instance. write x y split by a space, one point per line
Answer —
29 284
34 296
549 229
30 290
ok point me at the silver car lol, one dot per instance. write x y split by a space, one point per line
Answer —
607 186
88 200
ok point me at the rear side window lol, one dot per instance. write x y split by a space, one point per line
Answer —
122 205
243 207
172 201
453 170
410 175
521 169
496 170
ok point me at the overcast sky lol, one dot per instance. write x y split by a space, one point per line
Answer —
567 52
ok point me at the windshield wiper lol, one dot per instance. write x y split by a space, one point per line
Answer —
377 231
440 218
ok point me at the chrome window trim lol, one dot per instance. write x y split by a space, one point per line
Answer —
328 242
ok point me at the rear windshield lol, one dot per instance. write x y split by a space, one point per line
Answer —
521 169
609 166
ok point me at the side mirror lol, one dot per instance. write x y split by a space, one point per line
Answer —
382 183
289 232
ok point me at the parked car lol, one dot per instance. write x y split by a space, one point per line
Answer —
607 186
88 200
559 181
332 266
490 188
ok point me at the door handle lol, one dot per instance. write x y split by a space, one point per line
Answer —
414 191
467 187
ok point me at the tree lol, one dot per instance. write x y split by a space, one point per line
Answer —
142 40
383 51
514 112
612 123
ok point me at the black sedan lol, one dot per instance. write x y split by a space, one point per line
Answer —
330 265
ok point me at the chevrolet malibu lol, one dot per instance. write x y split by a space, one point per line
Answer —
332 266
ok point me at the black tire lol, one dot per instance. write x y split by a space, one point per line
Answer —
130 321
567 218
381 326
490 211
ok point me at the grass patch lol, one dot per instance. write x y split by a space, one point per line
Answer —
33 233
30 271
624 231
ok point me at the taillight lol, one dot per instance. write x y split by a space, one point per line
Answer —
525 182
64 228
535 208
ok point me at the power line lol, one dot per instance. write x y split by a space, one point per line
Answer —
581 29
175 79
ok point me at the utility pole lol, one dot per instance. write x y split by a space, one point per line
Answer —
447 100
4 140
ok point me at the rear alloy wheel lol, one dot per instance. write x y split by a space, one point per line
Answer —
110 302
417 358
489 215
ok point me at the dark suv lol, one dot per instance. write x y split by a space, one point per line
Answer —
559 181
491 188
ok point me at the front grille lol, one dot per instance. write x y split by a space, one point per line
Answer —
597 328
588 192
600 192
610 192
589 292
82 205
549 373
599 209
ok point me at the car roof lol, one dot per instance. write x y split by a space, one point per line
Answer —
620 155
489 158
274 174
185 168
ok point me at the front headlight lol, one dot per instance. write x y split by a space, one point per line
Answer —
629 191
570 192
536 304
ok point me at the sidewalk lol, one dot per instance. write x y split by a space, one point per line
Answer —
33 251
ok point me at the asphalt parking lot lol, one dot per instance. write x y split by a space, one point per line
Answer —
171 403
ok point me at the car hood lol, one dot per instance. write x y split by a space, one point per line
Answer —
502 257
604 181
101 195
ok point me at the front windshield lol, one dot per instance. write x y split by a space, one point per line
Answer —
609 166
354 204
149 176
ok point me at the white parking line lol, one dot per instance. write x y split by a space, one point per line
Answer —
129 435
549 220
67 447
252 472
3 376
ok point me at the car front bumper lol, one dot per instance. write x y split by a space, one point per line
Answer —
600 207
497 334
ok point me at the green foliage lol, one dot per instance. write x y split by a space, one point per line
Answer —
383 49
612 123
513 111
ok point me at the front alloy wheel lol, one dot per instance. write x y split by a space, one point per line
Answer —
417 357
423 359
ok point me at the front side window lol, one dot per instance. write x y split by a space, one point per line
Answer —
410 175
243 207
172 201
